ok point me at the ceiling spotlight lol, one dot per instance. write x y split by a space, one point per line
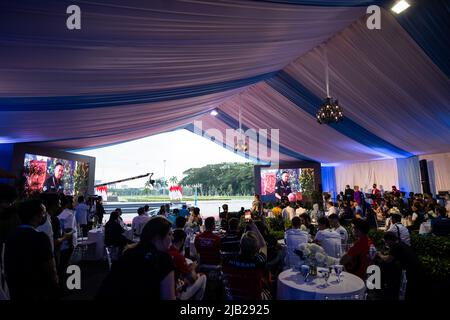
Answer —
214 113
400 6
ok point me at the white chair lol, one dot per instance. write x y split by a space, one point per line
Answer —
293 240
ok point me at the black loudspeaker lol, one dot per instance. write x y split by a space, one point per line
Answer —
424 179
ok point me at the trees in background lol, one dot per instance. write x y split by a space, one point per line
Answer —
230 179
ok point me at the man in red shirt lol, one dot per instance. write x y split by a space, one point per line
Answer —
356 260
207 244
191 284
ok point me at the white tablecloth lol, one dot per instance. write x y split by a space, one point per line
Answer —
97 236
291 286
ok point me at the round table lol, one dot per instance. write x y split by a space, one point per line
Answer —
291 286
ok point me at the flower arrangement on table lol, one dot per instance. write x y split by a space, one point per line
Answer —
276 212
314 255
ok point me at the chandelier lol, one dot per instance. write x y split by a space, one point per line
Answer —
329 111
241 145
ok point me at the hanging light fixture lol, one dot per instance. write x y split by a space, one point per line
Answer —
329 111
241 144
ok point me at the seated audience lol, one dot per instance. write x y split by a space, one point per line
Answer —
441 225
29 264
299 209
331 208
229 243
328 239
207 244
145 272
191 285
138 223
244 272
401 231
288 212
306 221
356 260
334 223
114 232
293 238
195 221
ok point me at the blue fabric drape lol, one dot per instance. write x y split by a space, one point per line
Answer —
409 174
110 100
6 158
329 181
309 102
427 22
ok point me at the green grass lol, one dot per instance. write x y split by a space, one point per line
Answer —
166 198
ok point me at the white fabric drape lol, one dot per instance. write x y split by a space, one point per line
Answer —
403 173
438 171
365 174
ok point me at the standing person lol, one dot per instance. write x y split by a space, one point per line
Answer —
349 194
376 193
257 205
162 211
145 271
122 223
224 217
55 182
53 205
81 215
68 225
146 210
29 264
99 210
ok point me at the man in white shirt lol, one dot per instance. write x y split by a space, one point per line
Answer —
336 226
47 228
328 239
399 229
293 238
331 208
81 215
139 222
300 210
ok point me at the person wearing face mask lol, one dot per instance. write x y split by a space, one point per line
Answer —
29 264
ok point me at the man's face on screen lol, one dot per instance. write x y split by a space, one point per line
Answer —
285 177
59 170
